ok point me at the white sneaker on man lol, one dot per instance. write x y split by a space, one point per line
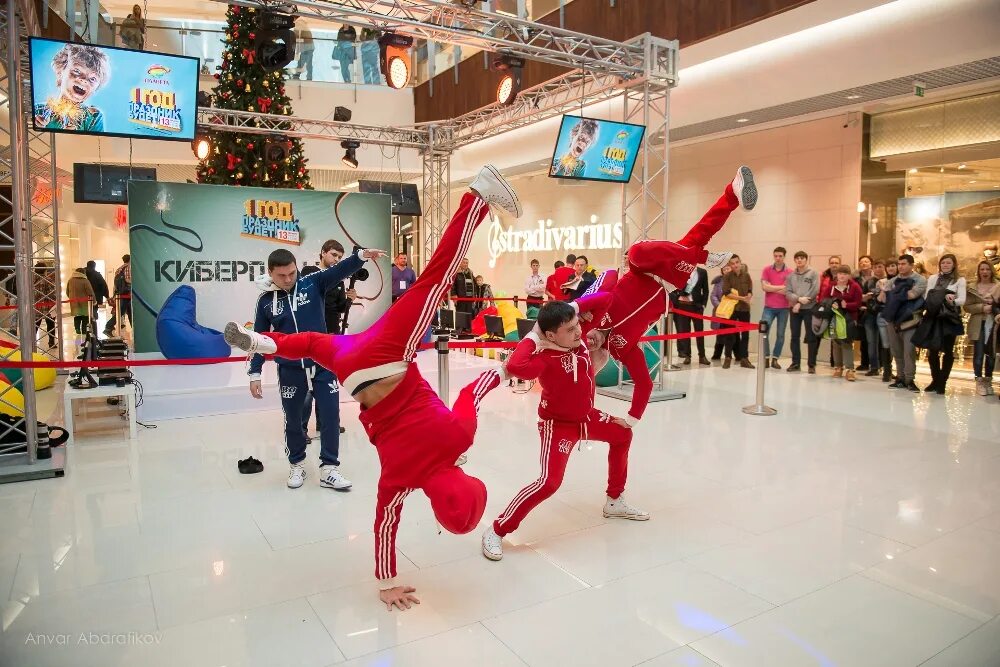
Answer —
744 188
492 187
296 475
717 259
248 340
330 478
618 508
462 459
492 544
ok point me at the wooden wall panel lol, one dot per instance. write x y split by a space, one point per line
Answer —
688 21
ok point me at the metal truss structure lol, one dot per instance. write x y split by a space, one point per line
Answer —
29 234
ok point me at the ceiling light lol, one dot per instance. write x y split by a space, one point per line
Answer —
854 97
862 207
510 68
394 52
742 120
961 166
350 158
913 170
971 181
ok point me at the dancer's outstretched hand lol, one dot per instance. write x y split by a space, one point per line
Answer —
400 596
373 253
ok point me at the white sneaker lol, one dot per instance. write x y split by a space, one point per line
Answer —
620 509
744 188
492 187
296 475
248 340
717 259
981 387
330 477
462 460
492 544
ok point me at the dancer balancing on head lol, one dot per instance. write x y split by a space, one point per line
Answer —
621 314
417 437
555 355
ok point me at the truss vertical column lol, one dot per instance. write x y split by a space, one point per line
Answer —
436 194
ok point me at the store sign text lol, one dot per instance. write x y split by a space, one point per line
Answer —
547 238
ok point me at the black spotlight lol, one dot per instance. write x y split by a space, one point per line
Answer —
510 68
350 158
276 149
204 99
342 114
274 41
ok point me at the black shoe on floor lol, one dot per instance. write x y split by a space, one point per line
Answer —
812 370
727 363
912 387
794 368
872 373
898 384
932 387
774 364
249 466
687 361
863 369
703 361
343 430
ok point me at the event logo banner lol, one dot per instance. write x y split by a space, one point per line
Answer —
217 238
88 89
591 149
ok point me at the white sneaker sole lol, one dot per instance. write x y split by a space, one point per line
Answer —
745 189
630 517
237 337
327 485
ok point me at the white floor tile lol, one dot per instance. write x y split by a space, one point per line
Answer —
647 614
684 656
854 622
789 562
980 648
959 571
471 645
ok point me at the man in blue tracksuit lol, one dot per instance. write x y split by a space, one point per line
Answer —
292 304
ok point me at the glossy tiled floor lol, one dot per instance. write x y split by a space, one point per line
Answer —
857 527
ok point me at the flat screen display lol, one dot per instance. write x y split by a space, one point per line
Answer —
86 89
590 149
106 184
405 200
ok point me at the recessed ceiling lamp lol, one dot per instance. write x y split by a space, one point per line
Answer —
961 166
913 170
854 97
742 120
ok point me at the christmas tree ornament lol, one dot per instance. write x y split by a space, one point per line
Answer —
247 89
250 107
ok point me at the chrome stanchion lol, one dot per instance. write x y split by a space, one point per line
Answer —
758 408
441 345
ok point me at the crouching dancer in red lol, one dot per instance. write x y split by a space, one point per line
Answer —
621 316
566 415
417 437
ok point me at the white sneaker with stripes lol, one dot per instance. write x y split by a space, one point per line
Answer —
330 477
492 187
296 475
618 508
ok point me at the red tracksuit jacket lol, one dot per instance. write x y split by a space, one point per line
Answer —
566 377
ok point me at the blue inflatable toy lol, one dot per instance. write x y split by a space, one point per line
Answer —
178 333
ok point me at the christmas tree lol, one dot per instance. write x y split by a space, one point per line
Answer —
243 85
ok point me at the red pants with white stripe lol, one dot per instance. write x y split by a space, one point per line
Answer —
558 441
675 261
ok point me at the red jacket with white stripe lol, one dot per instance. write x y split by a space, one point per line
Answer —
566 376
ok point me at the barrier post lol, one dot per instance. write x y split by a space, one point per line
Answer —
441 345
759 408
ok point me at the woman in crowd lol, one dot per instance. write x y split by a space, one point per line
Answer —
716 297
846 296
866 316
943 301
881 285
980 303
891 268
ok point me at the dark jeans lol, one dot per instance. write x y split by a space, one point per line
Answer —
738 344
798 320
123 308
982 358
874 343
81 324
294 384
50 326
941 360
682 324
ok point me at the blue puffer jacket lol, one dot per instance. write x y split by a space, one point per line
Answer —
301 309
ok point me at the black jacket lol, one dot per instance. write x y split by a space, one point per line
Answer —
699 295
100 285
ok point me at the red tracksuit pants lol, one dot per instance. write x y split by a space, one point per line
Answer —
675 261
558 440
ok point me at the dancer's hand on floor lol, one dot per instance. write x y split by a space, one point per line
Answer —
621 422
255 389
400 596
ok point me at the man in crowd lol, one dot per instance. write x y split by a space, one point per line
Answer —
693 302
902 301
534 285
739 285
561 274
772 279
123 295
101 291
464 287
801 288
583 277
403 276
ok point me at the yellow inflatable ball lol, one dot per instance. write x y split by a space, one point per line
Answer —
11 400
44 377
509 313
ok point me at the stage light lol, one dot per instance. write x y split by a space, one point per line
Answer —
350 158
276 149
274 41
201 146
394 57
342 114
510 68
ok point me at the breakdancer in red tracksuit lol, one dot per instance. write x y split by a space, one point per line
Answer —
639 299
566 414
417 437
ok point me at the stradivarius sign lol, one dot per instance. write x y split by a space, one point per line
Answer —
547 236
